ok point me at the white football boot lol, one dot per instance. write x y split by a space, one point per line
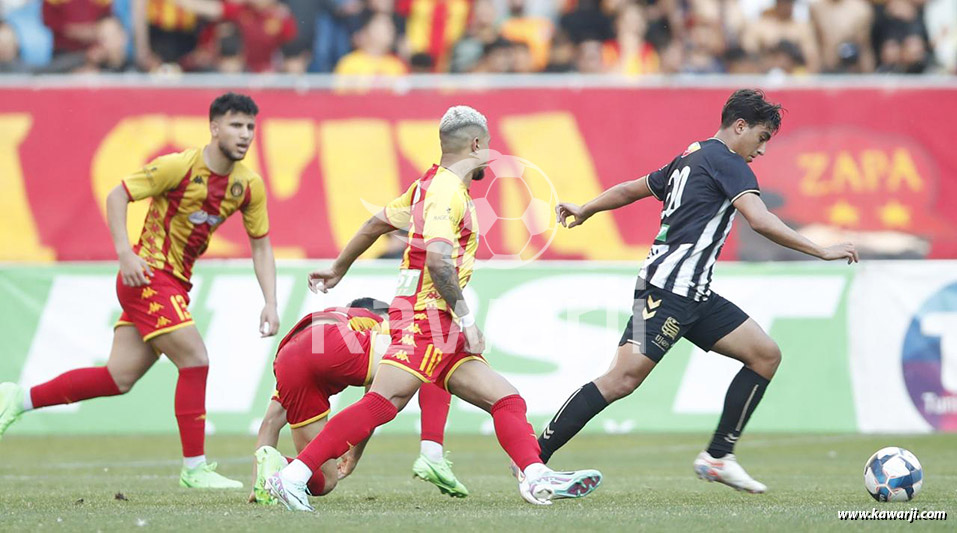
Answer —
551 485
293 495
726 470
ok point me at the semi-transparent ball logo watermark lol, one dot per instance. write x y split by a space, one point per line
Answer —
513 206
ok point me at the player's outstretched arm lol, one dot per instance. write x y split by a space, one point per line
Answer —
618 196
368 234
438 259
264 263
770 226
133 269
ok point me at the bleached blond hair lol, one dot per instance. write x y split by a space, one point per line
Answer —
459 125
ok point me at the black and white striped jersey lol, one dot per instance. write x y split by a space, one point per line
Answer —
697 189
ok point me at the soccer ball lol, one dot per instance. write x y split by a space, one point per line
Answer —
893 475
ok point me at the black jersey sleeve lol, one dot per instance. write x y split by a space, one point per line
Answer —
734 177
658 182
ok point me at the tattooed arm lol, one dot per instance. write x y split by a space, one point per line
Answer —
438 259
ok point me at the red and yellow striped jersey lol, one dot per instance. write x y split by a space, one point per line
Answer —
437 207
189 202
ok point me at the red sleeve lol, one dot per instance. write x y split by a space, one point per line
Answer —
231 10
53 16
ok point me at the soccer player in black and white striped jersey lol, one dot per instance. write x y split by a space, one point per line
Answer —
701 190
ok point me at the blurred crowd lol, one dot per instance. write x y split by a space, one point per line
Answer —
395 37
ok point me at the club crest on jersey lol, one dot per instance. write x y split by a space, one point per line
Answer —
201 217
236 189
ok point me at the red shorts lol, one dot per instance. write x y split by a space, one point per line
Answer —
157 308
318 363
428 344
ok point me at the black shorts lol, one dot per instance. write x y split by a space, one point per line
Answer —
661 317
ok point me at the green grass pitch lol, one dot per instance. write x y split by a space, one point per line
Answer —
70 483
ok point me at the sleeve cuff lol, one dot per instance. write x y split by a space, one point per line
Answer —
742 193
251 236
127 189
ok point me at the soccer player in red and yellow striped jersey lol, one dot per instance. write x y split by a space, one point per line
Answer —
435 338
322 354
192 194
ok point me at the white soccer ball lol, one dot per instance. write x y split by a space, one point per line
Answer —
893 475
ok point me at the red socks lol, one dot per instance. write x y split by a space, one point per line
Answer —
514 432
190 408
317 483
74 386
434 403
350 427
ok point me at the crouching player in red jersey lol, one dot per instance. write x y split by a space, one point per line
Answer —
428 346
192 193
322 354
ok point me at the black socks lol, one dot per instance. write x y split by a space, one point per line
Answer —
579 408
744 393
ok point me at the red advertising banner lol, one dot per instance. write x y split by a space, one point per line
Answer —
874 165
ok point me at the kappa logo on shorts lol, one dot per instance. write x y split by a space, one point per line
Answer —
147 293
408 340
401 355
155 307
162 321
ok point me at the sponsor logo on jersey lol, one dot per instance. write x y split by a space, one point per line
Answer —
202 217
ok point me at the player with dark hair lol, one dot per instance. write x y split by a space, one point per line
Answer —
430 344
322 354
192 193
701 190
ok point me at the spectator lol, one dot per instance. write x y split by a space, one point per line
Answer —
778 24
497 58
10 51
589 57
74 23
629 54
587 22
785 58
535 32
231 58
705 45
164 33
914 54
297 52
561 57
481 32
522 60
434 26
839 23
737 61
940 17
421 63
336 23
264 25
373 54
108 53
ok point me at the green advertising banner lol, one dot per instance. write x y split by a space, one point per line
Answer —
550 327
